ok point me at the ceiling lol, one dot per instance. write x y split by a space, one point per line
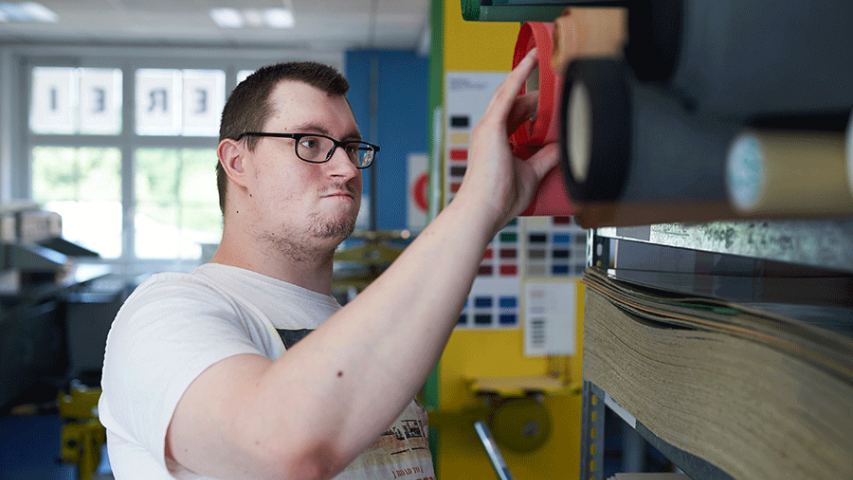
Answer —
322 25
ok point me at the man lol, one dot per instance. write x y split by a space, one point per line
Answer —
202 375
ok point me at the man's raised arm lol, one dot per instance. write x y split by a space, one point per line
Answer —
311 412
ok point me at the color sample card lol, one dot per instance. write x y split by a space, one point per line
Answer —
554 247
494 298
502 257
527 248
549 318
467 95
530 251
493 303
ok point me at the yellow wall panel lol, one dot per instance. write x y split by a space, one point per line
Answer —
476 46
471 353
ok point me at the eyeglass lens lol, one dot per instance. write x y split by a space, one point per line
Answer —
320 149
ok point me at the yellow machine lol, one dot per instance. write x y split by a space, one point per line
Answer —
82 432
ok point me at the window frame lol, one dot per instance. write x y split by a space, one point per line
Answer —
17 141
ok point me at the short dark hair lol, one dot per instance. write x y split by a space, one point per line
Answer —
248 106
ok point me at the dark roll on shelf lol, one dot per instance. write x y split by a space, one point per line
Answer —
737 59
631 154
654 38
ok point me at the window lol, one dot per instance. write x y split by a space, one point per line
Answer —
76 100
122 144
177 207
81 150
82 185
179 102
172 199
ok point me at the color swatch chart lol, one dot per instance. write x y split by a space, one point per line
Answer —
457 154
528 250
502 255
467 95
492 303
528 247
554 247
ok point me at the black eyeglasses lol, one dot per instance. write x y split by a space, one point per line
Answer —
316 148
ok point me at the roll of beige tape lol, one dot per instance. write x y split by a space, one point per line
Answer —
588 32
783 173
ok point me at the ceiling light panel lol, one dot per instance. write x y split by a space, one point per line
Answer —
26 12
253 18
227 17
279 18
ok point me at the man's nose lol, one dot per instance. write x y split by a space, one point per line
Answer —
341 163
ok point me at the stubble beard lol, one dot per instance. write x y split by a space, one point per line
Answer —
303 247
340 229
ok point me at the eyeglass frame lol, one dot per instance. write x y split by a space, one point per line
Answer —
299 136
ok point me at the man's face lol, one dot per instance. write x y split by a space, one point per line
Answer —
300 204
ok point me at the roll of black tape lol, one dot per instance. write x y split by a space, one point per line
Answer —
596 118
631 147
739 59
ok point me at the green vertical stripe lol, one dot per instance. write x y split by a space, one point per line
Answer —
436 93
436 98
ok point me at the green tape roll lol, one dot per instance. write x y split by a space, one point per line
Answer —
471 10
539 3
474 12
519 13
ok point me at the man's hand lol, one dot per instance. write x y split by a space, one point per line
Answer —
496 179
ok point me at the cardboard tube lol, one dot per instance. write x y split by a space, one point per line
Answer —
551 199
588 32
788 173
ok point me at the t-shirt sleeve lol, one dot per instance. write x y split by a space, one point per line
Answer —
164 336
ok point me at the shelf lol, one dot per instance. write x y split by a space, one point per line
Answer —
595 401
521 386
804 266
819 243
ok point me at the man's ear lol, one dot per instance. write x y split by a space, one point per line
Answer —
232 155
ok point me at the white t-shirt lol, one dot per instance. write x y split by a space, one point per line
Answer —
174 326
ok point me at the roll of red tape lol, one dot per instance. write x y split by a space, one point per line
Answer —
552 198
542 128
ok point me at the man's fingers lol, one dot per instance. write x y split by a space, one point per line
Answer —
523 108
544 159
502 101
